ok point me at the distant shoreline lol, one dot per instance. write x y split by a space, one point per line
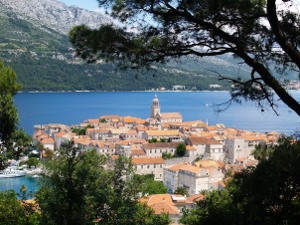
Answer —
92 91
145 91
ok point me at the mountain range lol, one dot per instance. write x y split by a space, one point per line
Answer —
34 42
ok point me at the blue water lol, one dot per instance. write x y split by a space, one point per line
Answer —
17 182
73 108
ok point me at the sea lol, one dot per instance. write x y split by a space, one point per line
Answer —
72 108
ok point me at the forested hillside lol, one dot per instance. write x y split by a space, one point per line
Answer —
42 58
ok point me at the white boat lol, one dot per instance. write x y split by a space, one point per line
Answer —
11 172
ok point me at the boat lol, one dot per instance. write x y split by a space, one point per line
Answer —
11 172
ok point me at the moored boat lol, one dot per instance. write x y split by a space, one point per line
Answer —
11 172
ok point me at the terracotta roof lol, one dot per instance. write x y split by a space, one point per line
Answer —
207 163
99 130
138 152
196 197
47 140
191 168
251 162
156 160
163 132
190 148
164 207
60 134
170 115
234 167
161 203
202 140
115 157
157 198
132 132
129 119
92 121
161 145
110 117
98 143
176 167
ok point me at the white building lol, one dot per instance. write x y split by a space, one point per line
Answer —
149 166
171 175
157 149
194 178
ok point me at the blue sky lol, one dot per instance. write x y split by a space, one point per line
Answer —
86 4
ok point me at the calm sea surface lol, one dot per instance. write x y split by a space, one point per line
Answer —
73 108
17 182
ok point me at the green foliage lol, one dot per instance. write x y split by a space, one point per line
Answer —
13 212
182 191
200 26
63 192
149 186
216 207
21 142
50 154
103 121
167 155
153 140
180 150
8 111
79 189
32 162
262 151
78 130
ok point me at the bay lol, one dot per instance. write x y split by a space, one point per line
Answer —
74 107
17 182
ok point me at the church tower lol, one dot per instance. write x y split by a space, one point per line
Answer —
155 108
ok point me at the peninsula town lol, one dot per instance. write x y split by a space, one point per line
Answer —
211 151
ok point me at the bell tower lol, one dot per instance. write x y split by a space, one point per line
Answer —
155 108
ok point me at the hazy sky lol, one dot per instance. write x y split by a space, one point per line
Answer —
86 4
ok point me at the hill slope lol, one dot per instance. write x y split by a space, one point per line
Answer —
34 42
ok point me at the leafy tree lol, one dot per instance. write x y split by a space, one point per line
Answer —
153 140
149 185
167 155
32 161
8 112
255 31
50 154
15 212
64 189
262 151
79 189
21 141
78 131
180 150
182 191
